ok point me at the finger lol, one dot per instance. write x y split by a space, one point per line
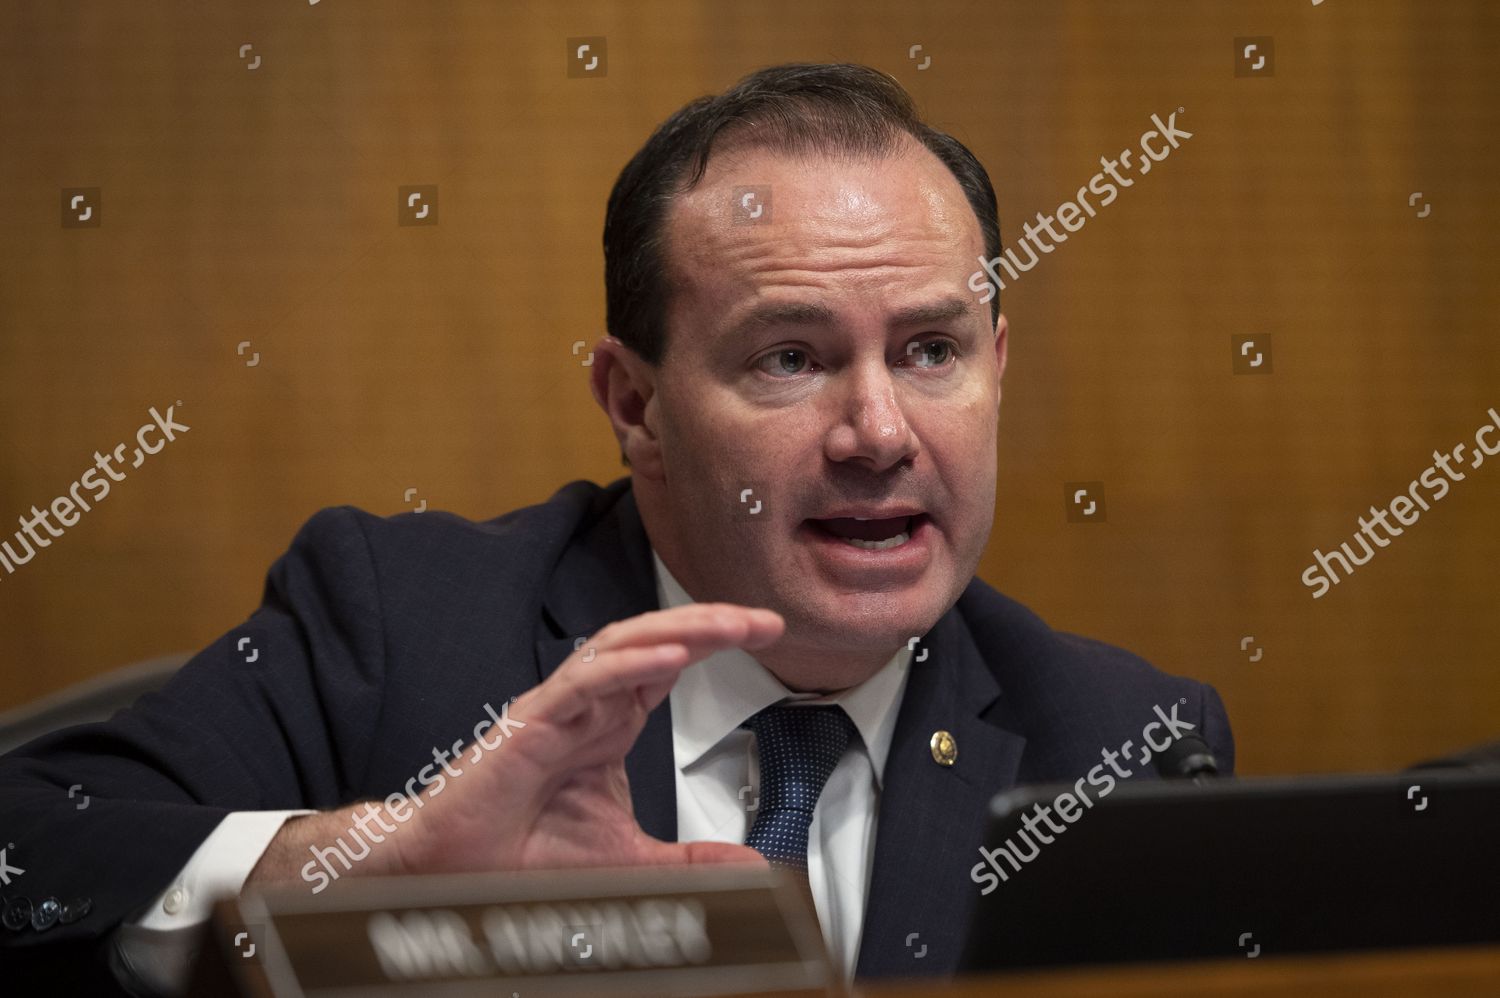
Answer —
701 628
571 691
648 696
724 852
710 624
685 853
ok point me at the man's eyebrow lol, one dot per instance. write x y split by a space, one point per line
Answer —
932 313
782 314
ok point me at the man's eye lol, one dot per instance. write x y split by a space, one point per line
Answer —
923 351
792 361
772 363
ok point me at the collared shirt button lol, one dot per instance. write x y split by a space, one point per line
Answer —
175 901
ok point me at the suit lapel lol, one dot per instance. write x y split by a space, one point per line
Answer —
932 817
607 575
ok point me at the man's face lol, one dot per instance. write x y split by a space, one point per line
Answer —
829 357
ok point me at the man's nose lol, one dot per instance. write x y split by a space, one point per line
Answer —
871 426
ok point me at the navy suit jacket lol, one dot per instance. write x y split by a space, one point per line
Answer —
379 639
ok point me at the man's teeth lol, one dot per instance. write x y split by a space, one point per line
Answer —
889 542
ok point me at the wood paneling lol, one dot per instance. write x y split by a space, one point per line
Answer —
260 205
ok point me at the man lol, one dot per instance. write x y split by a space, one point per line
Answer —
783 643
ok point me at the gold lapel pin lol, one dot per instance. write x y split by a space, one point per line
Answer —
944 748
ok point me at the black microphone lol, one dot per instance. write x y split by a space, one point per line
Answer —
1188 757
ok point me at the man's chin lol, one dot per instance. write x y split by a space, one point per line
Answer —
866 623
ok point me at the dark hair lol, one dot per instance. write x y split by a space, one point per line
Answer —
791 108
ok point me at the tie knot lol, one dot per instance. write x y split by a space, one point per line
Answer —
799 748
811 731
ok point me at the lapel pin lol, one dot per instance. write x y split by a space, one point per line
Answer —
944 748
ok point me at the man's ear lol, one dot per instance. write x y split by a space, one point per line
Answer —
1001 328
624 385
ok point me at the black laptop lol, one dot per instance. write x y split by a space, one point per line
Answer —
1255 868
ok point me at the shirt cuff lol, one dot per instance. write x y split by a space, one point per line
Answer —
155 951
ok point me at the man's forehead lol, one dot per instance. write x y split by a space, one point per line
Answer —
815 184
938 309
820 204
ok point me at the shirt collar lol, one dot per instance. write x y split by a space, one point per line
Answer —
712 696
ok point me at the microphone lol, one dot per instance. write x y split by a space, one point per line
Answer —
1188 757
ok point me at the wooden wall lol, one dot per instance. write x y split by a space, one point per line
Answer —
260 205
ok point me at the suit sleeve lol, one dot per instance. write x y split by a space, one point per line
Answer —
1214 723
274 715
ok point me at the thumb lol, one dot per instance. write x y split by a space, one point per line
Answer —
681 853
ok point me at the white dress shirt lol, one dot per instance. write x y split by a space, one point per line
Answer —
718 777
156 949
717 786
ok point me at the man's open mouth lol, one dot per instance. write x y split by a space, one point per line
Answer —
871 535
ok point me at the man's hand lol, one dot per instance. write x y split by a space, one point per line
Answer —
554 792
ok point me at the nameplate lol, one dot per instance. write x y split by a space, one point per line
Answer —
639 931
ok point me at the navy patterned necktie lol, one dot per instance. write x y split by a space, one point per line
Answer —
799 747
